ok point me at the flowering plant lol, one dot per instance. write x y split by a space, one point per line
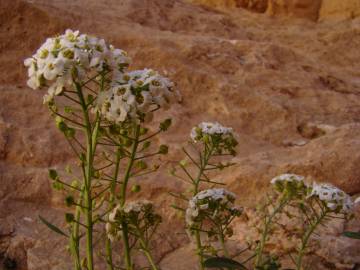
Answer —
217 137
101 108
210 211
315 203
141 220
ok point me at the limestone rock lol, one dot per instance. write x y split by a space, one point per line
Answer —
308 9
289 88
339 9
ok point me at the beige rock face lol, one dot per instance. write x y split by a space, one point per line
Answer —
289 88
295 8
314 10
253 5
340 10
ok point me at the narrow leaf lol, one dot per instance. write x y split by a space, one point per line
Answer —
218 262
354 235
52 227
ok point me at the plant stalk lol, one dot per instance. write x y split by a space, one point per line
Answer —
306 238
268 221
127 255
109 260
202 167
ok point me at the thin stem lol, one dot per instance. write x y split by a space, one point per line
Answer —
203 164
125 234
267 224
199 250
222 242
306 237
111 206
146 249
91 139
74 240
127 175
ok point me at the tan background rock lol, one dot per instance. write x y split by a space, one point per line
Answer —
289 88
322 10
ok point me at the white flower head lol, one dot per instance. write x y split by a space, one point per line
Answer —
143 92
137 214
204 200
287 178
334 198
209 129
221 139
70 57
136 206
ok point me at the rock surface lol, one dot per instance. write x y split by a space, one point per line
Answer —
315 10
289 88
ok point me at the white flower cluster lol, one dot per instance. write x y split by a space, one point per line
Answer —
136 95
112 227
209 129
112 231
136 206
287 178
200 202
71 56
335 198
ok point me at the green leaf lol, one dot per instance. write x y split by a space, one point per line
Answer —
219 262
354 235
52 226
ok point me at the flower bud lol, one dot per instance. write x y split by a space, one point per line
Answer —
146 145
69 133
143 131
135 188
75 184
165 124
164 149
69 218
57 185
141 165
69 201
53 174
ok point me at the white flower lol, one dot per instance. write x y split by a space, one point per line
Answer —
210 129
136 206
113 213
144 91
70 57
200 202
333 197
357 200
287 178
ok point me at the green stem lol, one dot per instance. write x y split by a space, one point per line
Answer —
151 260
199 250
202 167
146 250
91 140
109 260
127 255
130 165
268 221
306 238
222 241
74 240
